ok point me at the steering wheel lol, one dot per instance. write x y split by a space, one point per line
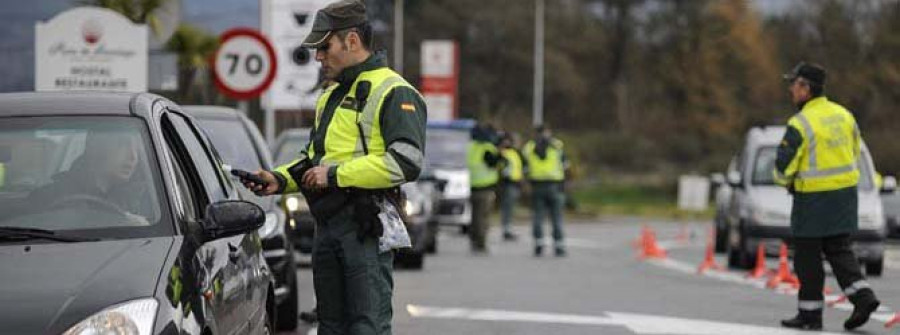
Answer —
94 201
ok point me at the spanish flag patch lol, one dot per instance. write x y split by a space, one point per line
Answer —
408 107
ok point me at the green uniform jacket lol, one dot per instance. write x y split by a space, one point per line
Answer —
817 214
400 121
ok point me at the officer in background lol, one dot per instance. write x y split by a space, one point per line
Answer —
483 160
368 138
510 179
547 164
817 162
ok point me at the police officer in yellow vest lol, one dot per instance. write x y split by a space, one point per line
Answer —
511 175
368 138
483 160
546 162
817 162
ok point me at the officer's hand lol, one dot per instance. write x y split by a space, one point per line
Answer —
316 177
271 186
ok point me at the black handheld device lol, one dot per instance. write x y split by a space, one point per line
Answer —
247 176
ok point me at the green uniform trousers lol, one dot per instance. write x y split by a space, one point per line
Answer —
353 281
547 198
482 201
509 196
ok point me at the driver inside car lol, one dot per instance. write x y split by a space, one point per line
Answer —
102 179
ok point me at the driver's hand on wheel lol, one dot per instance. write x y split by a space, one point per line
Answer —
270 188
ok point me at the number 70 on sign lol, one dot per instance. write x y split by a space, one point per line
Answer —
244 65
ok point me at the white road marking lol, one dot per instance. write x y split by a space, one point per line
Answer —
891 258
883 314
636 323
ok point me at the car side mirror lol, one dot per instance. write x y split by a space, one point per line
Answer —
717 179
232 217
734 179
889 184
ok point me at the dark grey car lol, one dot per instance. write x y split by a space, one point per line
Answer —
117 215
242 146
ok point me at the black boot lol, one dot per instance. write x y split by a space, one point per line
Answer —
861 312
805 321
538 250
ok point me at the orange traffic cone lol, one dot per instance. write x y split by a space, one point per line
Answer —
895 320
642 240
650 248
709 262
784 274
760 269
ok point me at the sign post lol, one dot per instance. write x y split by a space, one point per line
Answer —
90 48
440 73
244 67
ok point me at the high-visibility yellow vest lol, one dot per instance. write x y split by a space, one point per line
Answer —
827 158
550 168
480 173
343 143
513 168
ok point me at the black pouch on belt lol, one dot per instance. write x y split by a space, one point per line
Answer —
365 213
324 206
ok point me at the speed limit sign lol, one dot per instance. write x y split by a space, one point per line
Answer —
244 65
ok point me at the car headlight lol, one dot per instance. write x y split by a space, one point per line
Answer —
269 226
135 317
295 204
411 208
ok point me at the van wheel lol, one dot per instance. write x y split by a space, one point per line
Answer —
738 257
874 268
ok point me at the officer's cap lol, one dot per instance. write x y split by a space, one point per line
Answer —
813 73
336 16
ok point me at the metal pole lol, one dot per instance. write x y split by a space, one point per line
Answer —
270 125
244 107
398 36
538 106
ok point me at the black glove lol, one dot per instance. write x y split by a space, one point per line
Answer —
365 213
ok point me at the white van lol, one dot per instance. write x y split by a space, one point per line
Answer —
760 210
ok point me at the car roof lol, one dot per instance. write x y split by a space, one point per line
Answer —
766 135
70 103
212 112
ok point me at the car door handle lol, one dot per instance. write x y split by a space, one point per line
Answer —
233 253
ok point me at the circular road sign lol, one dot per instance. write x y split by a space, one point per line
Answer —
244 64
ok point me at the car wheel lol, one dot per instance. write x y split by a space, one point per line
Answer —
738 257
288 310
721 237
874 268
431 248
415 260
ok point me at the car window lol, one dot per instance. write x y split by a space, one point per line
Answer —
446 148
764 166
290 148
202 159
80 173
232 142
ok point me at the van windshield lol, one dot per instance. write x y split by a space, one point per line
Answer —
764 166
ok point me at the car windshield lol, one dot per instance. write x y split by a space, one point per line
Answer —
290 148
446 148
765 165
92 174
